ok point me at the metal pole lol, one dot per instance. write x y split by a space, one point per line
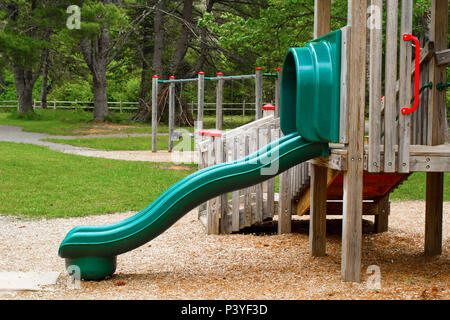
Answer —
200 99
154 113
258 93
171 112
219 102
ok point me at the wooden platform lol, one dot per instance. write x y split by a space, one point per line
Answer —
422 158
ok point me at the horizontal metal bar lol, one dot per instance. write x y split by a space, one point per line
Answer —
178 80
249 76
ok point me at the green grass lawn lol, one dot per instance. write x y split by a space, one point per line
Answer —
129 143
414 188
38 182
72 122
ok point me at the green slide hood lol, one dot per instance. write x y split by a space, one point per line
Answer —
310 89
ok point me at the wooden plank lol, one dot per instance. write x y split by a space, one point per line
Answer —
278 93
318 211
404 134
353 177
154 114
305 199
382 214
333 161
219 104
247 191
433 213
212 217
443 57
171 114
322 12
436 133
375 67
222 200
235 197
437 74
259 206
336 208
284 207
270 198
345 57
253 191
424 106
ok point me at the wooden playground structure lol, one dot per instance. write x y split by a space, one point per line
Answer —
371 159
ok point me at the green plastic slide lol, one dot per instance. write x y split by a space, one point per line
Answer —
92 250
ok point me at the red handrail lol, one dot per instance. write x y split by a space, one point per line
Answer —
407 37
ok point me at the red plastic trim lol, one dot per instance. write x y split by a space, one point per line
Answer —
201 72
258 68
407 37
219 74
172 77
155 76
279 69
268 107
210 133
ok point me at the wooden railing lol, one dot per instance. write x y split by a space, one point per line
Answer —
390 132
243 208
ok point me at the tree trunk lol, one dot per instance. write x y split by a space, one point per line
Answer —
100 95
44 85
144 113
203 42
182 43
24 87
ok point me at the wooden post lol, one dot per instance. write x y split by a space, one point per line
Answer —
318 202
219 102
258 93
247 191
270 198
200 99
278 93
382 216
318 211
54 104
353 177
284 207
171 112
259 187
375 69
154 113
436 116
322 10
235 219
404 95
120 106
390 100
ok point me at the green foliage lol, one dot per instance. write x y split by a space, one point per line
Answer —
279 26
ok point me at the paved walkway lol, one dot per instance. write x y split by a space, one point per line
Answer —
16 134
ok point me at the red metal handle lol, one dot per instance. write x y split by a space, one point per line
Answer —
407 37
